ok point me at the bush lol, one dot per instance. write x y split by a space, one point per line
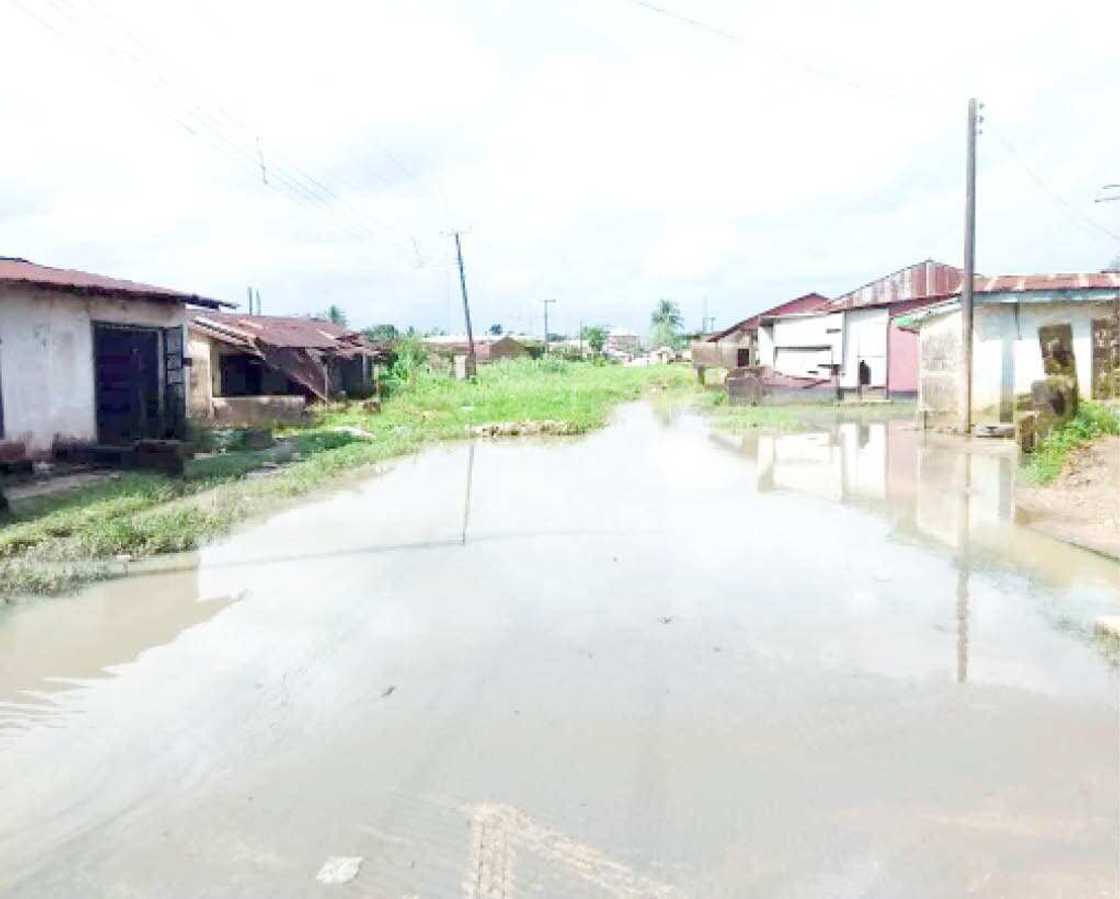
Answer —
1092 420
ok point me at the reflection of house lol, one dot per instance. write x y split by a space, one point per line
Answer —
87 359
250 368
1013 317
738 346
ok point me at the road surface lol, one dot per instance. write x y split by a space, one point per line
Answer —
652 662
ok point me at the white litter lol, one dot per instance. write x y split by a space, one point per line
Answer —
338 869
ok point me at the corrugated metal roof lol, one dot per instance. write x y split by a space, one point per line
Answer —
919 281
21 271
806 303
283 331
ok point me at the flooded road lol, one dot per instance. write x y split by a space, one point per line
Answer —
653 662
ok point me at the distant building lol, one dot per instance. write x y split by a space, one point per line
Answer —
737 346
1023 325
256 368
622 342
86 359
487 347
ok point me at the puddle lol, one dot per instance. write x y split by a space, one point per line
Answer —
653 659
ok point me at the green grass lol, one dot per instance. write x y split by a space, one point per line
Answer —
54 543
796 417
1092 420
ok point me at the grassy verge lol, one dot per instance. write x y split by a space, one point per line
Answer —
796 417
1093 420
54 543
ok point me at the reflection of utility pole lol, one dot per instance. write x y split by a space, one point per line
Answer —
471 363
467 500
969 272
964 567
546 302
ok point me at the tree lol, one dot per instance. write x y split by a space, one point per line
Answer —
382 332
596 337
667 313
495 329
334 314
666 320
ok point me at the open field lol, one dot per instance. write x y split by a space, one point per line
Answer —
53 543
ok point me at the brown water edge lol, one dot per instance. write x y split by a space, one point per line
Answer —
647 662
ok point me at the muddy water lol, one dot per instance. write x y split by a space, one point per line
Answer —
654 662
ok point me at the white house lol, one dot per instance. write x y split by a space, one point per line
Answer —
856 335
87 359
1014 316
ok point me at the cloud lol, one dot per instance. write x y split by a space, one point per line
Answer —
597 153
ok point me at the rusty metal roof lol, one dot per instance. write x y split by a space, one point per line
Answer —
282 331
256 332
809 302
919 281
1066 281
21 271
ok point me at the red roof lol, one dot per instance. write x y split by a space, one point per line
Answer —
20 271
281 330
915 282
807 303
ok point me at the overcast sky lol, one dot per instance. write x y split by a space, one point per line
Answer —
594 151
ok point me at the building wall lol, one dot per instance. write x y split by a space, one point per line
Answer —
801 346
201 374
766 345
1006 357
46 359
865 339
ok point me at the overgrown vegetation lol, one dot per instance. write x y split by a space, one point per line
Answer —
56 542
1092 420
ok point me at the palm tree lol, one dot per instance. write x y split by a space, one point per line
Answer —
335 315
667 315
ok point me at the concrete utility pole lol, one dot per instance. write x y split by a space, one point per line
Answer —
472 366
969 273
546 302
1110 193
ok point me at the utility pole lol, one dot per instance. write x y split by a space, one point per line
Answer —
258 292
471 364
969 273
250 300
546 302
581 339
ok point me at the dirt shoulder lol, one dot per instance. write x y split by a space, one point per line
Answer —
1082 505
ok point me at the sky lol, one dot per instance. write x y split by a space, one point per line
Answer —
601 153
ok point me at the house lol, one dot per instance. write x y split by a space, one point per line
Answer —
855 338
1025 327
738 345
87 359
621 342
487 347
248 369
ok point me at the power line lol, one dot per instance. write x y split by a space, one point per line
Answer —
1054 195
282 176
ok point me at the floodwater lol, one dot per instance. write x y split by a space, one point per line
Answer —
652 662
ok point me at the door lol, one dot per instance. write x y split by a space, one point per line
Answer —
174 385
126 383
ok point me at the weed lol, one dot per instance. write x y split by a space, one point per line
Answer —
1092 420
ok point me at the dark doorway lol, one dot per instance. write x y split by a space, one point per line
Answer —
127 383
864 374
743 358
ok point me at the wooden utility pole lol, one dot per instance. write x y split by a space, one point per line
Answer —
471 363
969 273
546 302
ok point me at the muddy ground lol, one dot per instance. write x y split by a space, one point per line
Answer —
652 662
1082 505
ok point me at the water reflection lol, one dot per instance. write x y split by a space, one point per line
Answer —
934 490
52 647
